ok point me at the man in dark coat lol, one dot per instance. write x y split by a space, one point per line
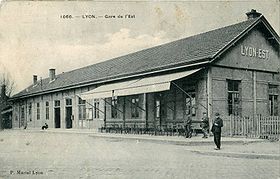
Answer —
205 125
188 127
217 130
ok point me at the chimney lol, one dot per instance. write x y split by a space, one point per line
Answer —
52 74
3 92
253 14
35 79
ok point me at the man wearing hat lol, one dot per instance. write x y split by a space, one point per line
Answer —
217 130
205 125
188 127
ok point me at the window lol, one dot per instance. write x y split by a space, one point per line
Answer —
22 112
234 98
17 114
190 104
30 111
68 102
157 108
158 105
135 107
89 113
96 108
114 110
82 109
47 110
56 103
38 111
273 100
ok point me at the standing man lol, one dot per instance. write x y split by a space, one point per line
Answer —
188 129
217 130
205 125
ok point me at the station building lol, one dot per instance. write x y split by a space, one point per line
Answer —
233 70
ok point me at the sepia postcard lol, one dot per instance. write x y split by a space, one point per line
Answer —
140 89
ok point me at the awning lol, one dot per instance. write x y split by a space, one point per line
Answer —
152 84
138 86
104 91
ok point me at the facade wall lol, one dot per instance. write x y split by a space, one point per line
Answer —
220 90
30 114
15 118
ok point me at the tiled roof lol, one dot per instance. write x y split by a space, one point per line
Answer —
190 50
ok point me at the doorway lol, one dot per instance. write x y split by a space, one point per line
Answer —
57 117
68 118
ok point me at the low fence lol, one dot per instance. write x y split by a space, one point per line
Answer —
253 127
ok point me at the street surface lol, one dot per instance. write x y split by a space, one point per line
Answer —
58 155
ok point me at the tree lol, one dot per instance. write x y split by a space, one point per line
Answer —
7 86
7 81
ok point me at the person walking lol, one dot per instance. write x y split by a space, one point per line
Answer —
205 125
217 130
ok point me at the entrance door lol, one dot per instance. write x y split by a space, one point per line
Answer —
57 117
68 117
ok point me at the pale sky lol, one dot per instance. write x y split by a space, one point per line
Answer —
33 37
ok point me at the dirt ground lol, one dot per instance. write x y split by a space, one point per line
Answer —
57 155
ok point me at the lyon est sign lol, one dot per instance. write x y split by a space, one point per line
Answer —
254 52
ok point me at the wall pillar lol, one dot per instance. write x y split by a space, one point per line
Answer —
145 101
123 112
209 95
254 93
105 111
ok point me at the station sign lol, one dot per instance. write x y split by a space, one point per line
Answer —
254 52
